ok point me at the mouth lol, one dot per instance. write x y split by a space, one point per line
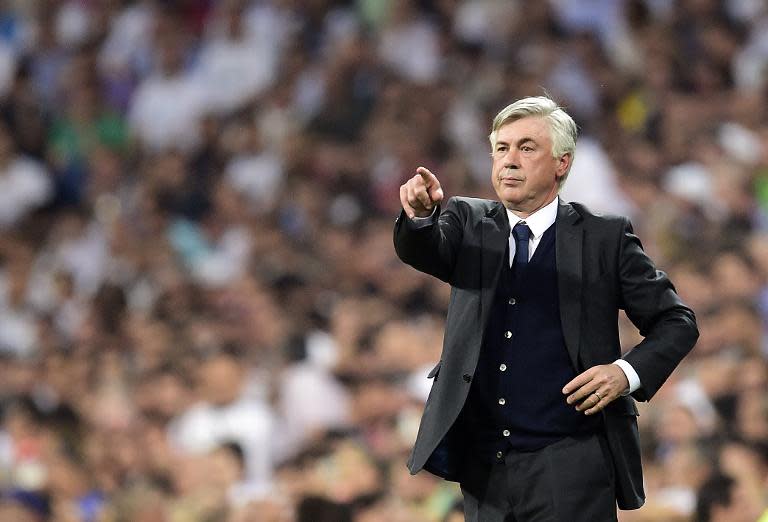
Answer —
509 180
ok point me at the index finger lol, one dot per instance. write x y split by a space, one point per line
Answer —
429 178
578 381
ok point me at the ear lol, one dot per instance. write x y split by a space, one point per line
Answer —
563 164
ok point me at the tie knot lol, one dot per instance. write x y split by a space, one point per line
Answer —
521 231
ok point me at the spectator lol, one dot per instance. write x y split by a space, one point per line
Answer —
168 105
721 500
25 182
147 218
233 67
226 413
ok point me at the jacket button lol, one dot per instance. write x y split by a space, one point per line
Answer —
467 377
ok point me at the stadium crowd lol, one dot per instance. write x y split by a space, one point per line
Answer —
202 317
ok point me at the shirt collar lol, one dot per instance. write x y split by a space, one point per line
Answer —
539 221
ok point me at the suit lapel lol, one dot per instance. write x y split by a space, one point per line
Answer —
494 235
569 234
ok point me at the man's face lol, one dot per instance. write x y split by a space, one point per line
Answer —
221 380
741 508
524 173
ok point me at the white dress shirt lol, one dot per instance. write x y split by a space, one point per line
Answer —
539 222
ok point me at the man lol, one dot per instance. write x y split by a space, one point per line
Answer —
225 412
722 499
530 408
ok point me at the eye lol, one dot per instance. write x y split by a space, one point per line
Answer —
526 148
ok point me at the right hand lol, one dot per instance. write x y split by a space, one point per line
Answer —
420 194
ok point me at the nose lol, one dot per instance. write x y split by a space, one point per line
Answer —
511 164
511 159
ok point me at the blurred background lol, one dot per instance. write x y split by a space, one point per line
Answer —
202 317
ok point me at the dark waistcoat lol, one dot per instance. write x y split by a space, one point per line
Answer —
516 400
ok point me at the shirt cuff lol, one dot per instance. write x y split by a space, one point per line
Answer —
632 377
421 222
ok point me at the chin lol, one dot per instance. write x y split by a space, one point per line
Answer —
506 196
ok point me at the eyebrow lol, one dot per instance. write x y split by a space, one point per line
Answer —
522 140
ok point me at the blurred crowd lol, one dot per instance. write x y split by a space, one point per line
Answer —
202 317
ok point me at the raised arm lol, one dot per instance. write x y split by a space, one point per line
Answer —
424 237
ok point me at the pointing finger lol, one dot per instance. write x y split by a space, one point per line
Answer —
429 179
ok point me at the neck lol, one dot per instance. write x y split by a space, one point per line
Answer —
523 213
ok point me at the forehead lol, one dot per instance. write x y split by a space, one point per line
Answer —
535 127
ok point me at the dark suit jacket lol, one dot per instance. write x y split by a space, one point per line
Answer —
601 268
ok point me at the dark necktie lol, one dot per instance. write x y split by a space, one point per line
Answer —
522 234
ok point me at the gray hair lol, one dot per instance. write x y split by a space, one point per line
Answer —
563 129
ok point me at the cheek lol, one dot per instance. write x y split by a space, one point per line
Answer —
494 174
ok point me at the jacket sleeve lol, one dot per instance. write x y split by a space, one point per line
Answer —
431 247
652 304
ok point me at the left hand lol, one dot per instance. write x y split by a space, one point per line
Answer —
597 387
